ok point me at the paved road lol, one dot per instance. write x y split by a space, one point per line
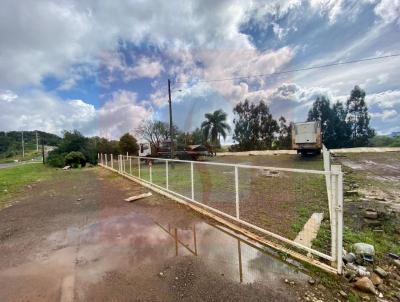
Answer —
9 165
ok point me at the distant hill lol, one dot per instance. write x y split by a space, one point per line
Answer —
10 142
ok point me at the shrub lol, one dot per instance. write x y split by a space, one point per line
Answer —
75 159
56 159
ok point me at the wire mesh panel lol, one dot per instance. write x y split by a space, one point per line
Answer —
291 204
146 171
179 178
214 185
133 166
159 173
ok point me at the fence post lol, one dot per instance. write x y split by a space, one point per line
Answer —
105 155
139 165
333 216
112 162
124 163
339 217
328 179
166 175
130 165
237 191
150 172
192 179
127 156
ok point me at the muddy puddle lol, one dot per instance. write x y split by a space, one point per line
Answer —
80 256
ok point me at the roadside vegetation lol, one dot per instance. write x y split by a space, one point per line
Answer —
77 150
385 141
14 180
11 144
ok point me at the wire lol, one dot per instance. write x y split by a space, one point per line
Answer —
294 70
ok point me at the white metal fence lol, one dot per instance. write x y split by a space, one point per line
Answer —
273 201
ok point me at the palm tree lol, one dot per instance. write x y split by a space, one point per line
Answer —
215 126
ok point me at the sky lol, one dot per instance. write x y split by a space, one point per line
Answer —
101 67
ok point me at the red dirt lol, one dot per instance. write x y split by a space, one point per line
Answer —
75 239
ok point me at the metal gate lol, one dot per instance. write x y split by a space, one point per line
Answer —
272 201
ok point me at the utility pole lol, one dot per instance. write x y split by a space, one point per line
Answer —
23 146
37 143
42 140
171 128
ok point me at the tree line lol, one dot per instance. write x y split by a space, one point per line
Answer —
77 150
342 124
11 142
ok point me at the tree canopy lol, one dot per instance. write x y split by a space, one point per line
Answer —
343 126
255 127
128 144
215 126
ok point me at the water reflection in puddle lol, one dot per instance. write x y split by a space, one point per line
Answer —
79 256
229 254
136 239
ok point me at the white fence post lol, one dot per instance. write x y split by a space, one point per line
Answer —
130 165
127 156
150 172
112 162
327 167
338 210
166 175
333 216
192 179
237 191
138 166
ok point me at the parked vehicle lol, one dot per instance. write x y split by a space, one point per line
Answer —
190 152
307 138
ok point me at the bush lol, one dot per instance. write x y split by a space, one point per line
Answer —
75 159
56 159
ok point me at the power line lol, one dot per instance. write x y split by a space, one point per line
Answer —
294 70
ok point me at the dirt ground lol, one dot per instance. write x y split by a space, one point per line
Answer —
74 239
377 176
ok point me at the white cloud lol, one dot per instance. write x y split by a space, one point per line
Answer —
7 96
45 111
121 114
331 8
385 100
114 67
385 114
388 10
44 37
145 68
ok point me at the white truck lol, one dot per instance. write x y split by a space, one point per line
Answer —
307 138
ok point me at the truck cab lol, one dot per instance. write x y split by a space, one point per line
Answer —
144 149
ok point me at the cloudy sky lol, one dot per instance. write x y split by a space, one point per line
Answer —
102 66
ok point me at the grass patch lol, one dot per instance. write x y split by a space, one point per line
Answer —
383 242
13 179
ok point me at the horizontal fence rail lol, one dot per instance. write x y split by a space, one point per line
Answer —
232 190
